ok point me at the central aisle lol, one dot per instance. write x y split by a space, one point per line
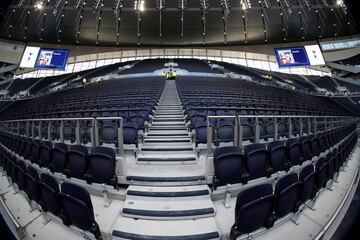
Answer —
167 198
167 155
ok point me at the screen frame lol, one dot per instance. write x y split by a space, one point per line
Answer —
307 63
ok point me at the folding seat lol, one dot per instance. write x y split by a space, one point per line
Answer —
49 191
35 151
101 166
282 128
327 140
58 157
76 165
13 169
321 141
287 191
331 161
277 156
306 148
315 145
130 132
45 154
21 177
27 150
32 187
224 131
321 167
257 162
247 131
294 152
307 178
139 121
229 166
77 207
253 210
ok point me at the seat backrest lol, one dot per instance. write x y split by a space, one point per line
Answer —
102 165
306 148
59 157
77 206
49 190
277 155
287 193
77 161
307 178
255 201
294 151
228 164
257 162
45 153
32 187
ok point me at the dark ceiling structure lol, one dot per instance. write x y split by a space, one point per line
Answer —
146 23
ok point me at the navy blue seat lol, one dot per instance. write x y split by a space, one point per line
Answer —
77 208
294 151
277 156
130 132
35 151
101 166
257 162
287 191
59 157
49 191
224 131
32 187
21 177
229 166
307 179
45 154
76 165
315 149
321 173
253 210
306 148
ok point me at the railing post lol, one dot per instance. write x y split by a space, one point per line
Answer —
39 128
236 131
289 127
240 133
77 131
121 138
276 130
300 127
18 127
97 140
308 126
315 125
32 129
49 130
325 124
92 133
62 131
257 131
209 137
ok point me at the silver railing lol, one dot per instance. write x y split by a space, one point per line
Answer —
304 124
34 128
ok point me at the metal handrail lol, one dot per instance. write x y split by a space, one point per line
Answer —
312 121
94 133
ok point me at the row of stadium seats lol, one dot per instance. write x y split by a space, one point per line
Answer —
205 96
124 98
72 204
234 165
94 166
290 191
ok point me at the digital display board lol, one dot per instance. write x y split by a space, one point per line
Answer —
299 56
44 58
